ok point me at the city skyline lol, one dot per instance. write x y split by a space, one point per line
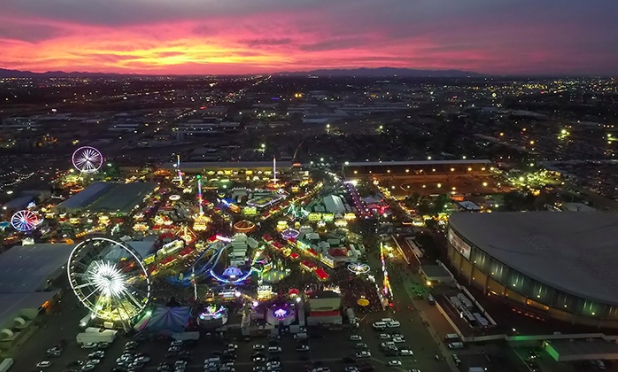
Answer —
235 37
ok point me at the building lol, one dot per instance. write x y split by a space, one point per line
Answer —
407 169
222 167
116 198
26 275
560 265
325 309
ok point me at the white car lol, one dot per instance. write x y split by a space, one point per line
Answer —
258 347
44 364
275 349
143 359
387 320
379 325
384 336
274 364
94 361
398 339
356 337
363 354
88 346
232 346
395 363
406 353
387 344
88 367
393 324
176 343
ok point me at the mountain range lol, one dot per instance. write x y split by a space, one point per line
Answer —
361 72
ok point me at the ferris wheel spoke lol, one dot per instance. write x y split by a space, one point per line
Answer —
87 297
90 283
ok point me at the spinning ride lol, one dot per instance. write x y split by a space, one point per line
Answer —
109 278
87 159
24 221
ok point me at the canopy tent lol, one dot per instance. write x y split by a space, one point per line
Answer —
169 319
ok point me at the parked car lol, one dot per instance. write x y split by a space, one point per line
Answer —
406 353
351 369
275 349
87 367
363 355
361 346
395 363
384 336
258 347
356 338
44 364
393 324
88 346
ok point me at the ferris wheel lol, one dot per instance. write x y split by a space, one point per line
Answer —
87 159
24 220
109 278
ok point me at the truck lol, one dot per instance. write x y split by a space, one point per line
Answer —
102 336
6 364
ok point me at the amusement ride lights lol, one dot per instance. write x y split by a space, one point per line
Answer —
178 166
87 159
24 220
386 285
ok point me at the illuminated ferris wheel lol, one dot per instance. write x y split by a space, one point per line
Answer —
109 278
87 159
24 221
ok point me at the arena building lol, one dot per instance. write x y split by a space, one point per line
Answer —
408 169
560 265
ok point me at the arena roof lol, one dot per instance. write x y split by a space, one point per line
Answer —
86 196
123 197
230 165
103 196
575 252
422 162
24 269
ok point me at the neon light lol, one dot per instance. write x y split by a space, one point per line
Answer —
223 239
178 166
280 313
200 195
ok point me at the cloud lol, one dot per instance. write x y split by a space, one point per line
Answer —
507 36
266 42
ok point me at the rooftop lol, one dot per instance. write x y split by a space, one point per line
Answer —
123 197
575 252
12 303
103 196
230 165
24 269
87 195
422 162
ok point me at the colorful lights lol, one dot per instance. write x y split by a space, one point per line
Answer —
358 268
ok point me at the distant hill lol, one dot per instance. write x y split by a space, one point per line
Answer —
362 72
384 72
11 73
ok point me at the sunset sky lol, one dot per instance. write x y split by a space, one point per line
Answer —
263 36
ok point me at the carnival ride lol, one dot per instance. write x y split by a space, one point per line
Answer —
109 279
25 221
87 160
244 226
200 269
